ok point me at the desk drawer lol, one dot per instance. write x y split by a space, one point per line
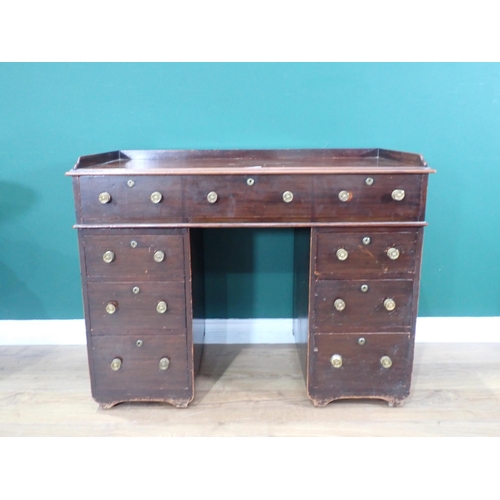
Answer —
110 199
273 198
367 252
353 365
385 198
158 369
362 305
116 257
131 307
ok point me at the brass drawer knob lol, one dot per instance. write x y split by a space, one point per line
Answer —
159 256
111 307
386 361
389 304
108 257
116 364
398 194
287 196
133 244
161 307
212 197
369 181
366 240
364 287
164 363
250 181
361 341
345 196
339 304
104 198
342 254
136 290
336 360
156 197
393 253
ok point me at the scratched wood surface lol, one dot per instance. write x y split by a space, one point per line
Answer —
251 391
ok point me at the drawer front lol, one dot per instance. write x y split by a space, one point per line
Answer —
230 198
354 365
134 257
130 307
373 202
130 203
141 371
369 252
364 305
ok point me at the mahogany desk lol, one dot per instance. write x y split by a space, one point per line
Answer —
358 218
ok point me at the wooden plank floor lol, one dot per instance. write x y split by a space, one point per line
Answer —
253 390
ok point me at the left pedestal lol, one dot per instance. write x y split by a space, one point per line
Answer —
137 291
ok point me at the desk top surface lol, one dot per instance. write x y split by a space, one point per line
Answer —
275 161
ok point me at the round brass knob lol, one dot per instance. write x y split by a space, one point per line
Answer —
389 304
287 196
136 290
336 360
369 181
386 361
116 364
366 240
104 198
361 341
159 256
212 197
108 257
164 363
130 183
156 197
250 181
342 254
344 196
111 307
138 343
133 244
364 287
398 194
393 253
161 307
339 304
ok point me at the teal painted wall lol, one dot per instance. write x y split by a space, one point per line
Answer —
52 113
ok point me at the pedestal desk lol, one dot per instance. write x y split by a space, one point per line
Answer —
358 218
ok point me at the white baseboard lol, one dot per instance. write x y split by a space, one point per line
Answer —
247 331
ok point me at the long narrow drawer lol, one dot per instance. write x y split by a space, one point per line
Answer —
362 305
117 198
374 252
116 257
360 365
249 197
126 308
157 367
380 197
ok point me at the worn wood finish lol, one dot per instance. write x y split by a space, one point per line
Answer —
361 374
370 255
136 311
375 199
250 189
130 203
139 376
237 201
134 257
364 311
